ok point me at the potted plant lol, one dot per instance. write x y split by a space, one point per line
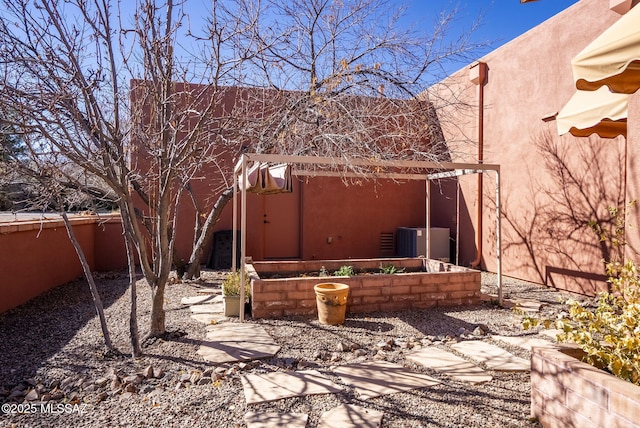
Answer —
231 293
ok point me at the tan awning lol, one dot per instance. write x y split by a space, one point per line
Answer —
613 59
600 112
266 179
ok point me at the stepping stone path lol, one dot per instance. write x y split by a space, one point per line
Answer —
525 342
494 357
450 364
261 388
232 342
275 420
372 379
351 416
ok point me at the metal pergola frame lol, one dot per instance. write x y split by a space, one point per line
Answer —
447 169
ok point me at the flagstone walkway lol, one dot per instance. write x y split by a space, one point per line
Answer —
468 361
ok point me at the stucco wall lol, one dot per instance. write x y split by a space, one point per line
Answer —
552 186
38 255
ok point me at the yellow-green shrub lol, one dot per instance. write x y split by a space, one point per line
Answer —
610 333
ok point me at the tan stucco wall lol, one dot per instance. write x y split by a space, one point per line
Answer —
545 233
38 255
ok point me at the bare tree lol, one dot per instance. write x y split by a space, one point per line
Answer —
116 95
145 100
343 79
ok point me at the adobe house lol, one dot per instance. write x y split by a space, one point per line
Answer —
555 188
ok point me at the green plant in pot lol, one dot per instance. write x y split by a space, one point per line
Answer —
231 293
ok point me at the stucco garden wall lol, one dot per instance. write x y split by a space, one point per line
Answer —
37 255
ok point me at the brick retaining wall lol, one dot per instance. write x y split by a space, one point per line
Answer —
445 285
565 392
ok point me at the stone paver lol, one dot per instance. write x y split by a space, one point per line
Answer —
525 342
450 364
202 299
213 308
275 420
209 318
351 416
372 379
261 388
236 342
494 357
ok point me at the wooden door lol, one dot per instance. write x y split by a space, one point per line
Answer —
281 225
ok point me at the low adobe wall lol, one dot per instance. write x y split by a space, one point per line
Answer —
37 255
565 392
441 284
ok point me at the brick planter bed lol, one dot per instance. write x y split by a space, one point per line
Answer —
434 284
566 392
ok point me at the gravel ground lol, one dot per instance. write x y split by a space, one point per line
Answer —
52 349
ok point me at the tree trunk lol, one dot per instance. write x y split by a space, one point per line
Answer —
206 232
97 302
157 323
136 350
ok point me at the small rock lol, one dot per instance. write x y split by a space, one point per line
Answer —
73 395
204 380
90 388
216 376
87 384
179 385
46 396
31 382
19 387
242 366
148 372
32 395
321 355
335 356
185 377
344 347
115 384
220 370
101 382
135 379
207 372
360 353
111 374
126 395
196 375
101 397
130 388
41 388
54 384
380 355
16 393
158 373
479 331
56 394
385 346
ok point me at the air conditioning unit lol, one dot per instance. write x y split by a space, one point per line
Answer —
412 242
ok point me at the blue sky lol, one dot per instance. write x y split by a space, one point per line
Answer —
503 20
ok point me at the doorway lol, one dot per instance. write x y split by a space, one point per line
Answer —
281 225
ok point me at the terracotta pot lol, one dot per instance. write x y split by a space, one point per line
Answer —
331 299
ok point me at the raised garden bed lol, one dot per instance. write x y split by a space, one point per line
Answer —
423 284
566 392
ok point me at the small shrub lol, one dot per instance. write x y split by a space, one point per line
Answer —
390 269
231 285
610 333
344 271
